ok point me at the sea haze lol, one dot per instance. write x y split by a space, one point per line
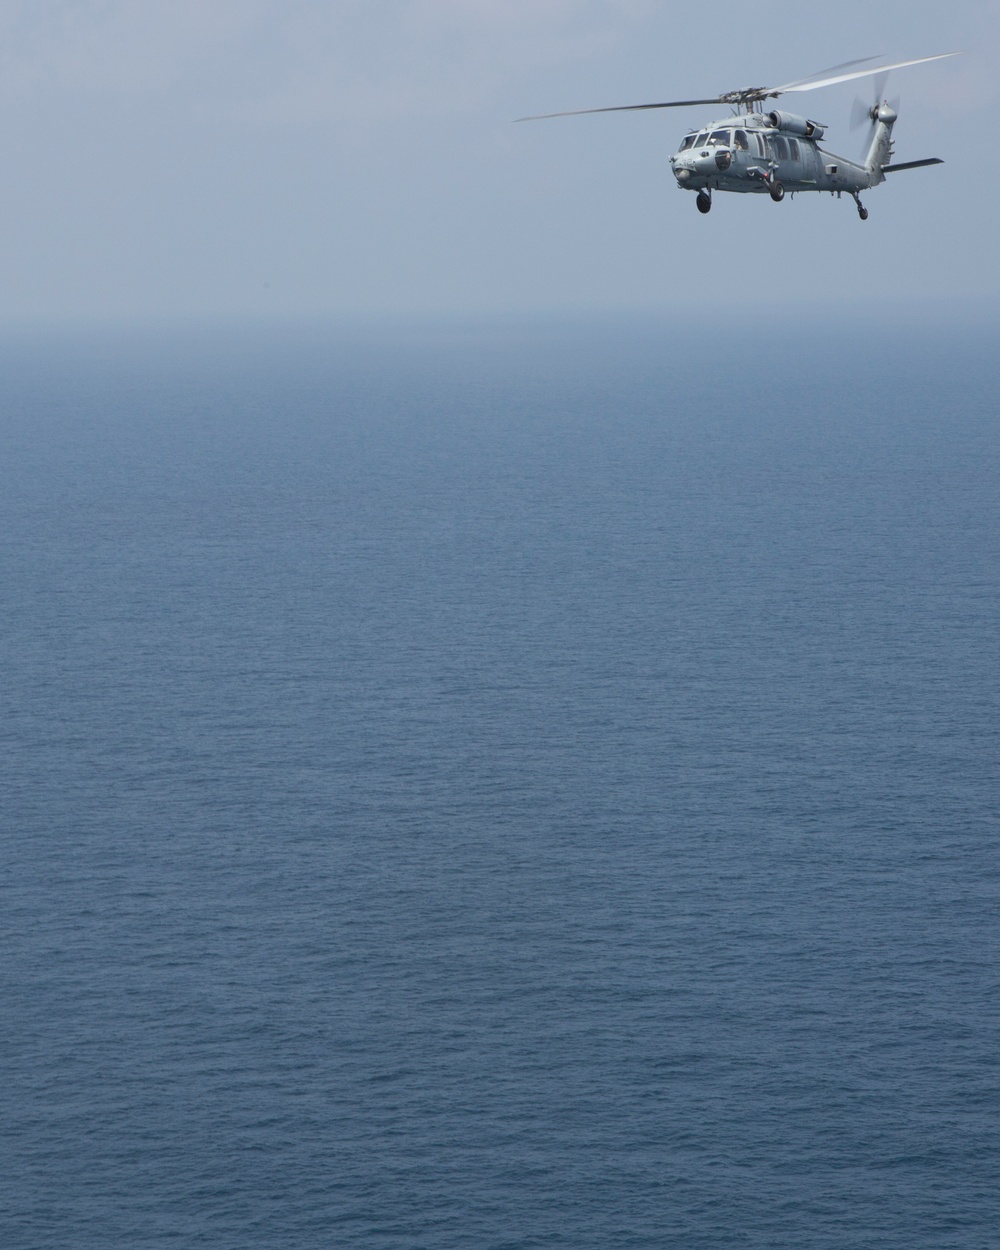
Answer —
501 786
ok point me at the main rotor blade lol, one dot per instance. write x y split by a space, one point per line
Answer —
751 94
861 73
678 104
823 73
623 108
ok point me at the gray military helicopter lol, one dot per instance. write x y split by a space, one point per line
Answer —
778 152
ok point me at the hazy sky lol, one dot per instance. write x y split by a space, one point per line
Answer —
305 156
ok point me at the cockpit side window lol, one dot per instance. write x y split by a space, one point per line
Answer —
687 142
742 142
720 138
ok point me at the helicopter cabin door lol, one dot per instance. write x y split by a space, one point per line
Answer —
787 153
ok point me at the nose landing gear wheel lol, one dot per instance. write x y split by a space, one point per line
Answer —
704 202
777 192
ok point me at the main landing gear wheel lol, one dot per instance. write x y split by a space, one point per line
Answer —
704 202
777 192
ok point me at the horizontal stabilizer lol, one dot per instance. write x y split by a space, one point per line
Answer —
894 169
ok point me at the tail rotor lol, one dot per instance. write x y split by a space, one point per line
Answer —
862 112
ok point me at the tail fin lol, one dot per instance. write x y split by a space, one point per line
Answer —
880 152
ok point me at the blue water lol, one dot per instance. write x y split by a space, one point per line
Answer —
500 786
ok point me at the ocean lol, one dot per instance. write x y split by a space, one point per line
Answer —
501 784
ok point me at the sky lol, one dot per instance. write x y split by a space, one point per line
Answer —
191 158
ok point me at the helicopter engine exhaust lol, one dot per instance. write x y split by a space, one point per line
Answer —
793 125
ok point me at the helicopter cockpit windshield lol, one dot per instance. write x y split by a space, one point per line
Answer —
719 138
687 142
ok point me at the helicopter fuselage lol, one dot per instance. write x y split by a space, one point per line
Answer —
775 153
755 151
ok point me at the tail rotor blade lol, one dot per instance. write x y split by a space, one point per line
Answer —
860 113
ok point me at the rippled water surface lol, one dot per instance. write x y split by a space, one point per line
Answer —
500 787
